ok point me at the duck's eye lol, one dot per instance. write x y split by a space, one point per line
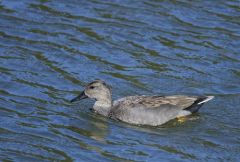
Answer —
91 87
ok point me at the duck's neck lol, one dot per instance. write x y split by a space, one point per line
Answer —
103 107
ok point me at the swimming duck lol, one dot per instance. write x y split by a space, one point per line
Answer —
141 110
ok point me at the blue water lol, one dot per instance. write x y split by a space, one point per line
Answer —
50 49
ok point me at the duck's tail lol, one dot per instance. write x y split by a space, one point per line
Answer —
198 103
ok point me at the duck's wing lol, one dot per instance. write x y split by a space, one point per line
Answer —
155 110
178 101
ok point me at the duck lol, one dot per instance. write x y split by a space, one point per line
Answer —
152 110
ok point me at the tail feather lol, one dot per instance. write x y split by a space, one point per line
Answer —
198 103
208 98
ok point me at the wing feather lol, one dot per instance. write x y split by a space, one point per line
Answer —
180 101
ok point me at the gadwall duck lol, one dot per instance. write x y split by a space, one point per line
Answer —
141 110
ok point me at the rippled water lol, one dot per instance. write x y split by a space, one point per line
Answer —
49 49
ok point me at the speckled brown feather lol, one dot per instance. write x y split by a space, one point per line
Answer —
155 101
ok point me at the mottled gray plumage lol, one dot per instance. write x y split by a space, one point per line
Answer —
142 110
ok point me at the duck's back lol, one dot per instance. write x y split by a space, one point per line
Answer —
152 110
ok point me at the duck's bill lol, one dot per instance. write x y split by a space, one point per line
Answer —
79 97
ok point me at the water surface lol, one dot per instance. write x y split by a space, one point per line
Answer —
49 49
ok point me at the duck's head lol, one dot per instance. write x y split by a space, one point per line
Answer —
97 90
